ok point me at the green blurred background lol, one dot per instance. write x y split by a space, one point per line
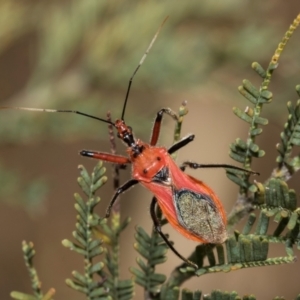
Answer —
76 54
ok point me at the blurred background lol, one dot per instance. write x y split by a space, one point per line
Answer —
79 55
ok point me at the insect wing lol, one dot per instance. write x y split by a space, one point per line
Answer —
198 208
198 214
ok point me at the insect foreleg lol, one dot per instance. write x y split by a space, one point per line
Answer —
157 123
194 165
117 159
186 140
158 229
119 191
113 158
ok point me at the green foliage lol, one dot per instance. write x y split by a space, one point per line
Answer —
116 288
244 151
290 137
153 249
89 227
29 253
85 244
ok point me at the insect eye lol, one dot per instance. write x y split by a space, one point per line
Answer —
158 158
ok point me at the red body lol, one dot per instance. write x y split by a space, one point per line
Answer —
154 159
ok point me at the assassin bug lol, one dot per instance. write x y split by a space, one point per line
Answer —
189 205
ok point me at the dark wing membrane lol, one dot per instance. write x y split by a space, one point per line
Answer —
197 213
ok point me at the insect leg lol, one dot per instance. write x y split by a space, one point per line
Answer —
157 124
158 229
117 159
119 191
194 165
186 140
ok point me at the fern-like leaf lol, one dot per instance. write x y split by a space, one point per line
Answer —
86 244
290 137
153 249
244 151
29 253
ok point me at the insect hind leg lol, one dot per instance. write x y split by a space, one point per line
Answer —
159 231
194 165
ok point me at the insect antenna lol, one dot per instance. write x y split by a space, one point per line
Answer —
140 63
59 111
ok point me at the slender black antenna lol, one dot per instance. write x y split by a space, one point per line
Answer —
140 63
59 110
